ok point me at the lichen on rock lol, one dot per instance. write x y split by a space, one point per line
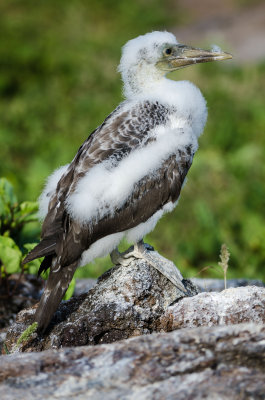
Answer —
136 300
125 302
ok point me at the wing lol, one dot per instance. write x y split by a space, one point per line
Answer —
149 195
123 131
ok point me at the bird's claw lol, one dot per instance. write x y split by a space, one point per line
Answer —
137 251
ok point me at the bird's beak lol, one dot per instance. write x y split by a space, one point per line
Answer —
183 56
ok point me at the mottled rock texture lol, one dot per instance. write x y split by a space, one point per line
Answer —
208 354
126 302
203 284
217 285
220 362
137 300
231 306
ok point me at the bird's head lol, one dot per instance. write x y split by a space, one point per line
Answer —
148 58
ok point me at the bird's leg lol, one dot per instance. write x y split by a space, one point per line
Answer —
141 247
124 258
127 256
146 252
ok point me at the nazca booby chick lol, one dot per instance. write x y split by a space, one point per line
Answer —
129 171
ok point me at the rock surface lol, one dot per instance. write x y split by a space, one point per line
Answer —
203 284
192 362
223 362
133 301
84 285
231 306
217 285
126 302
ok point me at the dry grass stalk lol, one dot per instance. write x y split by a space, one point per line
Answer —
224 257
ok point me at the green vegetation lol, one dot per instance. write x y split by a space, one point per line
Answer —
26 335
15 219
58 81
18 224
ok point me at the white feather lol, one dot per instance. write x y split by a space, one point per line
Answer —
106 187
135 234
104 246
49 189
101 248
137 65
132 51
185 97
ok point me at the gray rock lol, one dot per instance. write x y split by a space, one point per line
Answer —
210 362
84 285
231 306
219 362
217 285
19 292
204 285
136 300
126 302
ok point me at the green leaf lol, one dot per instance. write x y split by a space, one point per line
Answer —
5 211
32 267
27 212
7 194
10 255
30 246
26 334
29 207
8 201
2 206
70 291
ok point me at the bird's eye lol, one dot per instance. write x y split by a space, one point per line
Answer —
168 51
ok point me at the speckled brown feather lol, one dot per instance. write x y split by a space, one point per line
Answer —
121 132
149 195
63 239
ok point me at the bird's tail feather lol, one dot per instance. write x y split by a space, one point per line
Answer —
44 248
56 286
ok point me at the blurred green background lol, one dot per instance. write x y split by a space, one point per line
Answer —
58 81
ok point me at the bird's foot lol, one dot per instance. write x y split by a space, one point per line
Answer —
136 251
146 252
123 259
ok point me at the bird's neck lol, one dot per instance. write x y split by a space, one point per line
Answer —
142 78
182 97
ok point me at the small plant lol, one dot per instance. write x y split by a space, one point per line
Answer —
224 258
223 263
25 336
5 349
15 220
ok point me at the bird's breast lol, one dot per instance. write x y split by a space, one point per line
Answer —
184 102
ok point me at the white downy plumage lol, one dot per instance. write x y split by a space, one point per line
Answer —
104 188
49 189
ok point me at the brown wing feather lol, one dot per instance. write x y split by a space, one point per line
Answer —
121 133
56 286
149 195
63 239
